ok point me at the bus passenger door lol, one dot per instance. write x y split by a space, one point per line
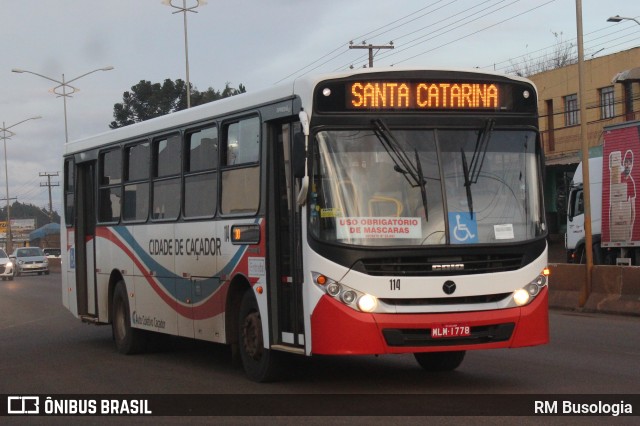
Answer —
284 243
85 239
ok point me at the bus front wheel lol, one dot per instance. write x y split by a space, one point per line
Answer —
260 364
440 361
128 340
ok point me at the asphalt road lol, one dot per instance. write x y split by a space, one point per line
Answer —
45 350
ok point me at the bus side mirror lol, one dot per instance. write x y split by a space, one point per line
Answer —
299 156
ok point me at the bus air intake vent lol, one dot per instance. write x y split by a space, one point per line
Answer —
448 301
439 266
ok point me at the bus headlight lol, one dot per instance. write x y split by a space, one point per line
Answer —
333 289
367 303
533 289
346 295
349 296
525 295
521 297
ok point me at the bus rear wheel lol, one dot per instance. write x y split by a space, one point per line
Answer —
440 361
260 364
128 340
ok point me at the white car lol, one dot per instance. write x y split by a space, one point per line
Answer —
30 259
6 266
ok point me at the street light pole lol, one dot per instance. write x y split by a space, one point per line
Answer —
619 18
184 9
64 103
64 85
5 130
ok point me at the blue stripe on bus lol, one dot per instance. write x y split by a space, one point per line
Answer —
166 277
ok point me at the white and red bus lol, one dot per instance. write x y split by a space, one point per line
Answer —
365 212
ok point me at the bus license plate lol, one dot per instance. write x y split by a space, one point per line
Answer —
450 330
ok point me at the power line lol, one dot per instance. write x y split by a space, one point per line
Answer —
29 184
473 33
571 41
409 21
370 47
475 13
342 46
449 28
454 15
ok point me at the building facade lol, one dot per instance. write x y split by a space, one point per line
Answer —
612 91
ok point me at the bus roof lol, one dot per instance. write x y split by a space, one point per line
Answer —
177 119
237 103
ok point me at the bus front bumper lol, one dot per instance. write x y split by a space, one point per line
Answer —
339 330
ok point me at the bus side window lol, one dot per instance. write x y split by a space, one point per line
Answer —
69 191
166 173
110 192
200 177
240 168
136 182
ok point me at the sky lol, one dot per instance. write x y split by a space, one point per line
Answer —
257 43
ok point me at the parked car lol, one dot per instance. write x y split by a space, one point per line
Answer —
51 253
30 259
6 266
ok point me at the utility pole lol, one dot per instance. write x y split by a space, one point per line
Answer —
49 184
370 47
584 142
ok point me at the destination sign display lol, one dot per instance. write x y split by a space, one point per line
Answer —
422 95
433 92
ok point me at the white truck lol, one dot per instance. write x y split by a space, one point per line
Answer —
615 226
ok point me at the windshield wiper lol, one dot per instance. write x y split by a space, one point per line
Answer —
402 163
423 183
480 151
472 172
467 182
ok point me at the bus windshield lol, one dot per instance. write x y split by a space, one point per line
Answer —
411 187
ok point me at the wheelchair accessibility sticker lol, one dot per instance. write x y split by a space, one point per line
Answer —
463 228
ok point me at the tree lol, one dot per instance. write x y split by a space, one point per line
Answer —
29 211
147 100
563 54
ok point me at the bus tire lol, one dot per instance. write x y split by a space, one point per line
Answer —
440 361
128 340
260 364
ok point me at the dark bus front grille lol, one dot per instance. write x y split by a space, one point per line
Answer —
444 301
439 265
422 337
